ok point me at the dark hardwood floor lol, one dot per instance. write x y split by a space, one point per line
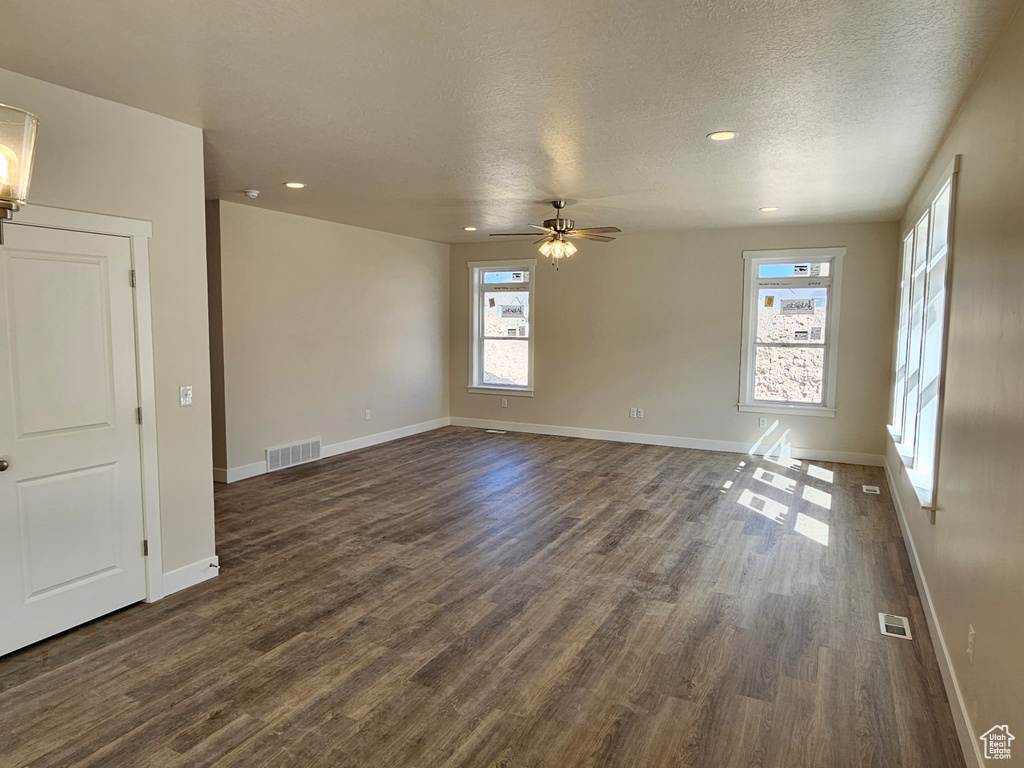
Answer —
467 599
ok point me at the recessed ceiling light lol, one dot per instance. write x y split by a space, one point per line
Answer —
722 135
470 229
295 185
768 209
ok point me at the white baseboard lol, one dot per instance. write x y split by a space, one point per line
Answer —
968 744
190 575
840 457
671 441
383 437
244 472
234 474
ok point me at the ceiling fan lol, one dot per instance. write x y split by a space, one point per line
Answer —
556 243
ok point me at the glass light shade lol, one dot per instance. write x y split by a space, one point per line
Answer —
17 150
557 249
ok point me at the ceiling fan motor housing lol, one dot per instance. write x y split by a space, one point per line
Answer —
559 224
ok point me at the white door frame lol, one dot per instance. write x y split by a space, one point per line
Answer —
138 232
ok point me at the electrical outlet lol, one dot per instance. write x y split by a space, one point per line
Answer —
185 395
504 402
762 423
639 413
970 643
632 413
367 414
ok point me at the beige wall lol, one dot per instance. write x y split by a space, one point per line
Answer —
98 156
973 557
322 321
653 321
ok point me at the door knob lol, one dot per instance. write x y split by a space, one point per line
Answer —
4 464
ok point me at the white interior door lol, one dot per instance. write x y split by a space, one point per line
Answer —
71 521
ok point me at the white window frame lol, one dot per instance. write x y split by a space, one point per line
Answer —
920 264
751 286
476 323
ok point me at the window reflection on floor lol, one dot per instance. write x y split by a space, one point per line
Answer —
775 481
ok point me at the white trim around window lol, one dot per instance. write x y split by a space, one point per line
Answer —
816 278
477 334
922 330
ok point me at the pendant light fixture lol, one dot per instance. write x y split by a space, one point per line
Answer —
17 151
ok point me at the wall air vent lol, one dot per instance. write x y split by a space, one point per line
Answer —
894 626
283 456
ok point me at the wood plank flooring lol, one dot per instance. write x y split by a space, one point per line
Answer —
466 599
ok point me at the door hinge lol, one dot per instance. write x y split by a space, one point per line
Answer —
133 278
145 547
138 415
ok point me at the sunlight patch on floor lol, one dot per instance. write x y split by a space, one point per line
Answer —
819 473
773 510
818 497
811 528
784 461
775 480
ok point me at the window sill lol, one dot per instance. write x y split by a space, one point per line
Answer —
788 410
922 487
477 390
921 482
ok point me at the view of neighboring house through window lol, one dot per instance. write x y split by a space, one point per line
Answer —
501 337
920 338
790 330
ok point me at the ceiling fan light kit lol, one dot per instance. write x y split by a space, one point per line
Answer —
558 249
556 244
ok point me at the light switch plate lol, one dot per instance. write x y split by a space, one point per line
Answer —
186 395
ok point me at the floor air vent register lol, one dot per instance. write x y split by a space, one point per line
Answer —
894 626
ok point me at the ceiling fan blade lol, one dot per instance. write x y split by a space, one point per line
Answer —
544 240
538 226
513 234
577 235
595 230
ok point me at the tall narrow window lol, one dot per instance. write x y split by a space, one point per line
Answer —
501 335
790 330
920 339
903 334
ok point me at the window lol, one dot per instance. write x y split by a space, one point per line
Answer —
501 337
920 339
790 329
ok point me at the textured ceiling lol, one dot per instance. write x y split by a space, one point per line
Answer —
423 116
